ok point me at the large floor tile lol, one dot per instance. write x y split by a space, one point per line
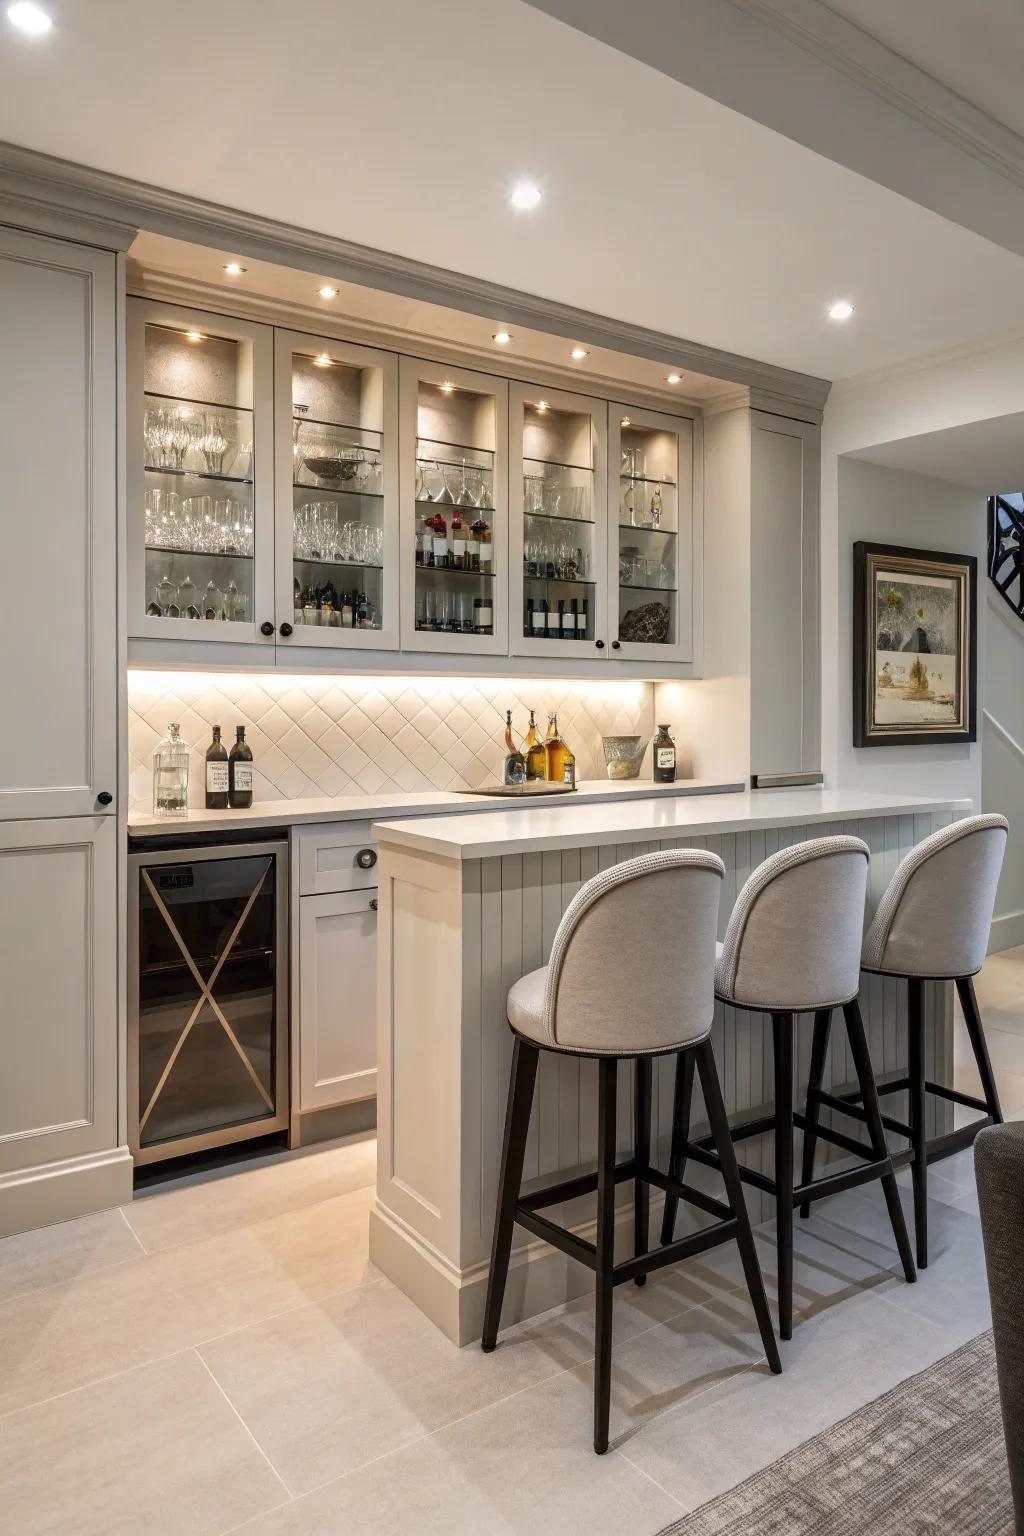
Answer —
519 1467
156 1450
118 1318
208 1205
32 1260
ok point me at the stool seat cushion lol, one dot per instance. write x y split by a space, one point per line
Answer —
526 1005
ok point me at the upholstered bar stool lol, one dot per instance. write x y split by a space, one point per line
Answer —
793 946
932 924
631 976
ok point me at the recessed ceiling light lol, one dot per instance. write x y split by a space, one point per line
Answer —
842 309
525 195
542 406
234 268
327 292
29 18
578 354
674 378
447 388
322 360
502 338
194 336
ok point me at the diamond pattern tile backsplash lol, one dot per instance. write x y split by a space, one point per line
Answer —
352 735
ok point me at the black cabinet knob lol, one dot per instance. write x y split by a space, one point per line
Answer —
286 630
267 629
615 645
104 797
599 644
373 903
366 858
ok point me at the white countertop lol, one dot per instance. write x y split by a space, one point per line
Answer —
287 813
533 830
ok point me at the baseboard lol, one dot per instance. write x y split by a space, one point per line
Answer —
1007 932
318 1125
39 1197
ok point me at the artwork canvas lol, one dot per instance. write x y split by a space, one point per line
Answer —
914 642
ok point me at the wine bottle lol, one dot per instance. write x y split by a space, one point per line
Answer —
240 773
458 542
536 757
561 763
515 762
527 622
440 543
540 620
554 623
216 773
664 755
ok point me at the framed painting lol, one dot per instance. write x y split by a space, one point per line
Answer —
915 629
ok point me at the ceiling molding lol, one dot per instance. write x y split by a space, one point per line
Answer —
55 187
845 47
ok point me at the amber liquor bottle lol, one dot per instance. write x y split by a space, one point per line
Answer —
216 773
240 773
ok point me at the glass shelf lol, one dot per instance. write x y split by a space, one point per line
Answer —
564 517
344 565
335 490
337 426
646 480
562 581
585 469
454 570
198 474
671 533
204 405
200 554
632 586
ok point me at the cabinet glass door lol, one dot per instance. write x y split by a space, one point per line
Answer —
650 535
199 455
337 493
454 434
557 515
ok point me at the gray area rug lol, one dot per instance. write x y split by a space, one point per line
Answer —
927 1457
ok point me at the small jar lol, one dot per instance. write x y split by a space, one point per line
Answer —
663 757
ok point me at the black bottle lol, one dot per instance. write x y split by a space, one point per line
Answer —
216 773
664 757
240 773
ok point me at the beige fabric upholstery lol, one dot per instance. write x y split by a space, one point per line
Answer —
633 961
793 940
935 917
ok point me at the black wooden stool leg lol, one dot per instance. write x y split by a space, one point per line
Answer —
972 1018
513 1151
719 1123
869 1091
819 1051
680 1136
782 1031
605 1250
916 1116
642 1147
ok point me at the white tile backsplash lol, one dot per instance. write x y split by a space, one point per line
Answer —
350 735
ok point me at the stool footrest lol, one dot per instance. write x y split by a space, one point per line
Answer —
836 1138
842 1106
672 1253
567 1242
697 1197
956 1141
836 1183
967 1100
572 1189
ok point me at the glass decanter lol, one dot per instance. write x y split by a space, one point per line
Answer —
170 775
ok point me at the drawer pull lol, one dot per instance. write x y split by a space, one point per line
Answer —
366 858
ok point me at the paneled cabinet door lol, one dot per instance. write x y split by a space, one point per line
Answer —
558 510
336 466
58 976
200 452
58 494
337 998
653 535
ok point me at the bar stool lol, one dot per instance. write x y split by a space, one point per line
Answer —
631 976
793 946
932 924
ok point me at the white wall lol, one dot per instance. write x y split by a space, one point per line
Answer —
1002 765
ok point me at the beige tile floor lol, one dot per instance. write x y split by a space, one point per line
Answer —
221 1356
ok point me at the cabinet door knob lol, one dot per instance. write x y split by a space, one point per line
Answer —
615 645
373 903
104 797
267 628
599 644
366 858
286 630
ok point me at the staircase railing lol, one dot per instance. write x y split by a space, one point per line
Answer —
1006 549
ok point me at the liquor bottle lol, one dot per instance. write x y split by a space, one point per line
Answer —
664 757
458 542
515 763
527 622
440 542
554 624
216 773
567 622
232 603
483 532
346 611
167 597
583 621
536 757
170 775
240 773
188 599
561 764
540 620
297 601
213 601
574 621
473 544
483 615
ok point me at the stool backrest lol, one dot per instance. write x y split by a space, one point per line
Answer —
793 940
632 966
935 917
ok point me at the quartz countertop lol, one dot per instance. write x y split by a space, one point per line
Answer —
535 829
286 813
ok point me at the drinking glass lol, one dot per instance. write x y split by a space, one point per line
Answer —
214 445
213 601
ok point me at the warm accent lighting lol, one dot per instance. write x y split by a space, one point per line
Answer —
234 268
321 360
327 292
525 195
578 354
29 18
542 406
842 309
502 338
194 336
447 388
624 421
674 378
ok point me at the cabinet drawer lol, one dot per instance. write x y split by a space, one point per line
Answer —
329 858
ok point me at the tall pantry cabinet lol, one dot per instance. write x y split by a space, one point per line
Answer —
59 1152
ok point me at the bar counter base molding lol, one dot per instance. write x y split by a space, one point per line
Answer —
52 1192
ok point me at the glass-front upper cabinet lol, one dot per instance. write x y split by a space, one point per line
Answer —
453 437
651 553
200 448
557 523
336 418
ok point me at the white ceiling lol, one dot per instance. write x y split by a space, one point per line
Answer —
988 456
974 47
402 125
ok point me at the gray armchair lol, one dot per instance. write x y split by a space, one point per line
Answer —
999 1166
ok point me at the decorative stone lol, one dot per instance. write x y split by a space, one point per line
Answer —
647 624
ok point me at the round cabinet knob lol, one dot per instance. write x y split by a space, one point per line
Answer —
104 797
615 645
373 903
599 644
267 628
366 858
286 630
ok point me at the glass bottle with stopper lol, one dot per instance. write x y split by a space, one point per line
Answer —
514 772
170 775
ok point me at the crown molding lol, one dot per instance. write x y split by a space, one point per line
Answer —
57 187
845 47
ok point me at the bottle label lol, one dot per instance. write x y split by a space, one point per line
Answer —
217 778
538 621
569 774
665 757
243 776
485 554
485 614
440 548
459 548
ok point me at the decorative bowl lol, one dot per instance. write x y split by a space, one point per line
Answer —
623 755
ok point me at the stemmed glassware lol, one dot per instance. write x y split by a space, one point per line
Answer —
319 535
